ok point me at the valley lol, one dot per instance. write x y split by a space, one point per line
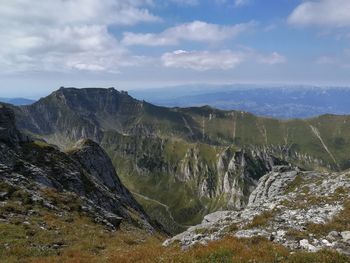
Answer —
204 188
210 162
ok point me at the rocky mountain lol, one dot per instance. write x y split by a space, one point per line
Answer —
183 163
300 210
32 172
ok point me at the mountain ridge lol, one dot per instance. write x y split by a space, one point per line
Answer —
155 148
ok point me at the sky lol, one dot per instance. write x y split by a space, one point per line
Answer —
134 44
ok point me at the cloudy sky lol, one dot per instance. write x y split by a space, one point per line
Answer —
132 44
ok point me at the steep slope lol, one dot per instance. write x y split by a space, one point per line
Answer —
178 182
300 210
86 174
184 163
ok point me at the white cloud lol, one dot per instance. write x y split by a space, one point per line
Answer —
271 59
60 35
62 12
202 60
329 13
195 31
223 60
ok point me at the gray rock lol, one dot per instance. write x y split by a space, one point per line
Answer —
345 236
3 195
86 175
333 235
8 130
284 211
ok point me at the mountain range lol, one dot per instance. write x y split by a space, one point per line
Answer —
17 101
183 163
97 158
283 102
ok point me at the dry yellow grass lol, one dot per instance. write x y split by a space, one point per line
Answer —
83 241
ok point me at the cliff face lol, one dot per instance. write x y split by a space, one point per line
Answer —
300 210
86 173
191 179
97 163
8 131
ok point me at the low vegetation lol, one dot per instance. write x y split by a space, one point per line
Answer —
132 247
339 223
42 236
260 220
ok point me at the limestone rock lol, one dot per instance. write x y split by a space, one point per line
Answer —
284 202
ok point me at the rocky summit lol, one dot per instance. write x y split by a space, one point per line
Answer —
300 210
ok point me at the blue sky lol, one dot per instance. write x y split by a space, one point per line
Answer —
132 44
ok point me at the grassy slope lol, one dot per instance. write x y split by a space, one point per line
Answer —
246 129
37 234
219 129
45 236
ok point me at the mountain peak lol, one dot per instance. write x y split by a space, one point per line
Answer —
94 99
67 90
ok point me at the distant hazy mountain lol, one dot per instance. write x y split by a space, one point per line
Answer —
17 101
279 102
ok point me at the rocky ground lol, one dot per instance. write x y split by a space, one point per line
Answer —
300 210
83 179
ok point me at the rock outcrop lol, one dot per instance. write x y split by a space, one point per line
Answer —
8 131
97 163
86 173
300 210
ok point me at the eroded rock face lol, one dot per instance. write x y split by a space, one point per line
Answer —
87 174
97 163
282 208
8 131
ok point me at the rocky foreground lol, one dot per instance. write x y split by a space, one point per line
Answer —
300 210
